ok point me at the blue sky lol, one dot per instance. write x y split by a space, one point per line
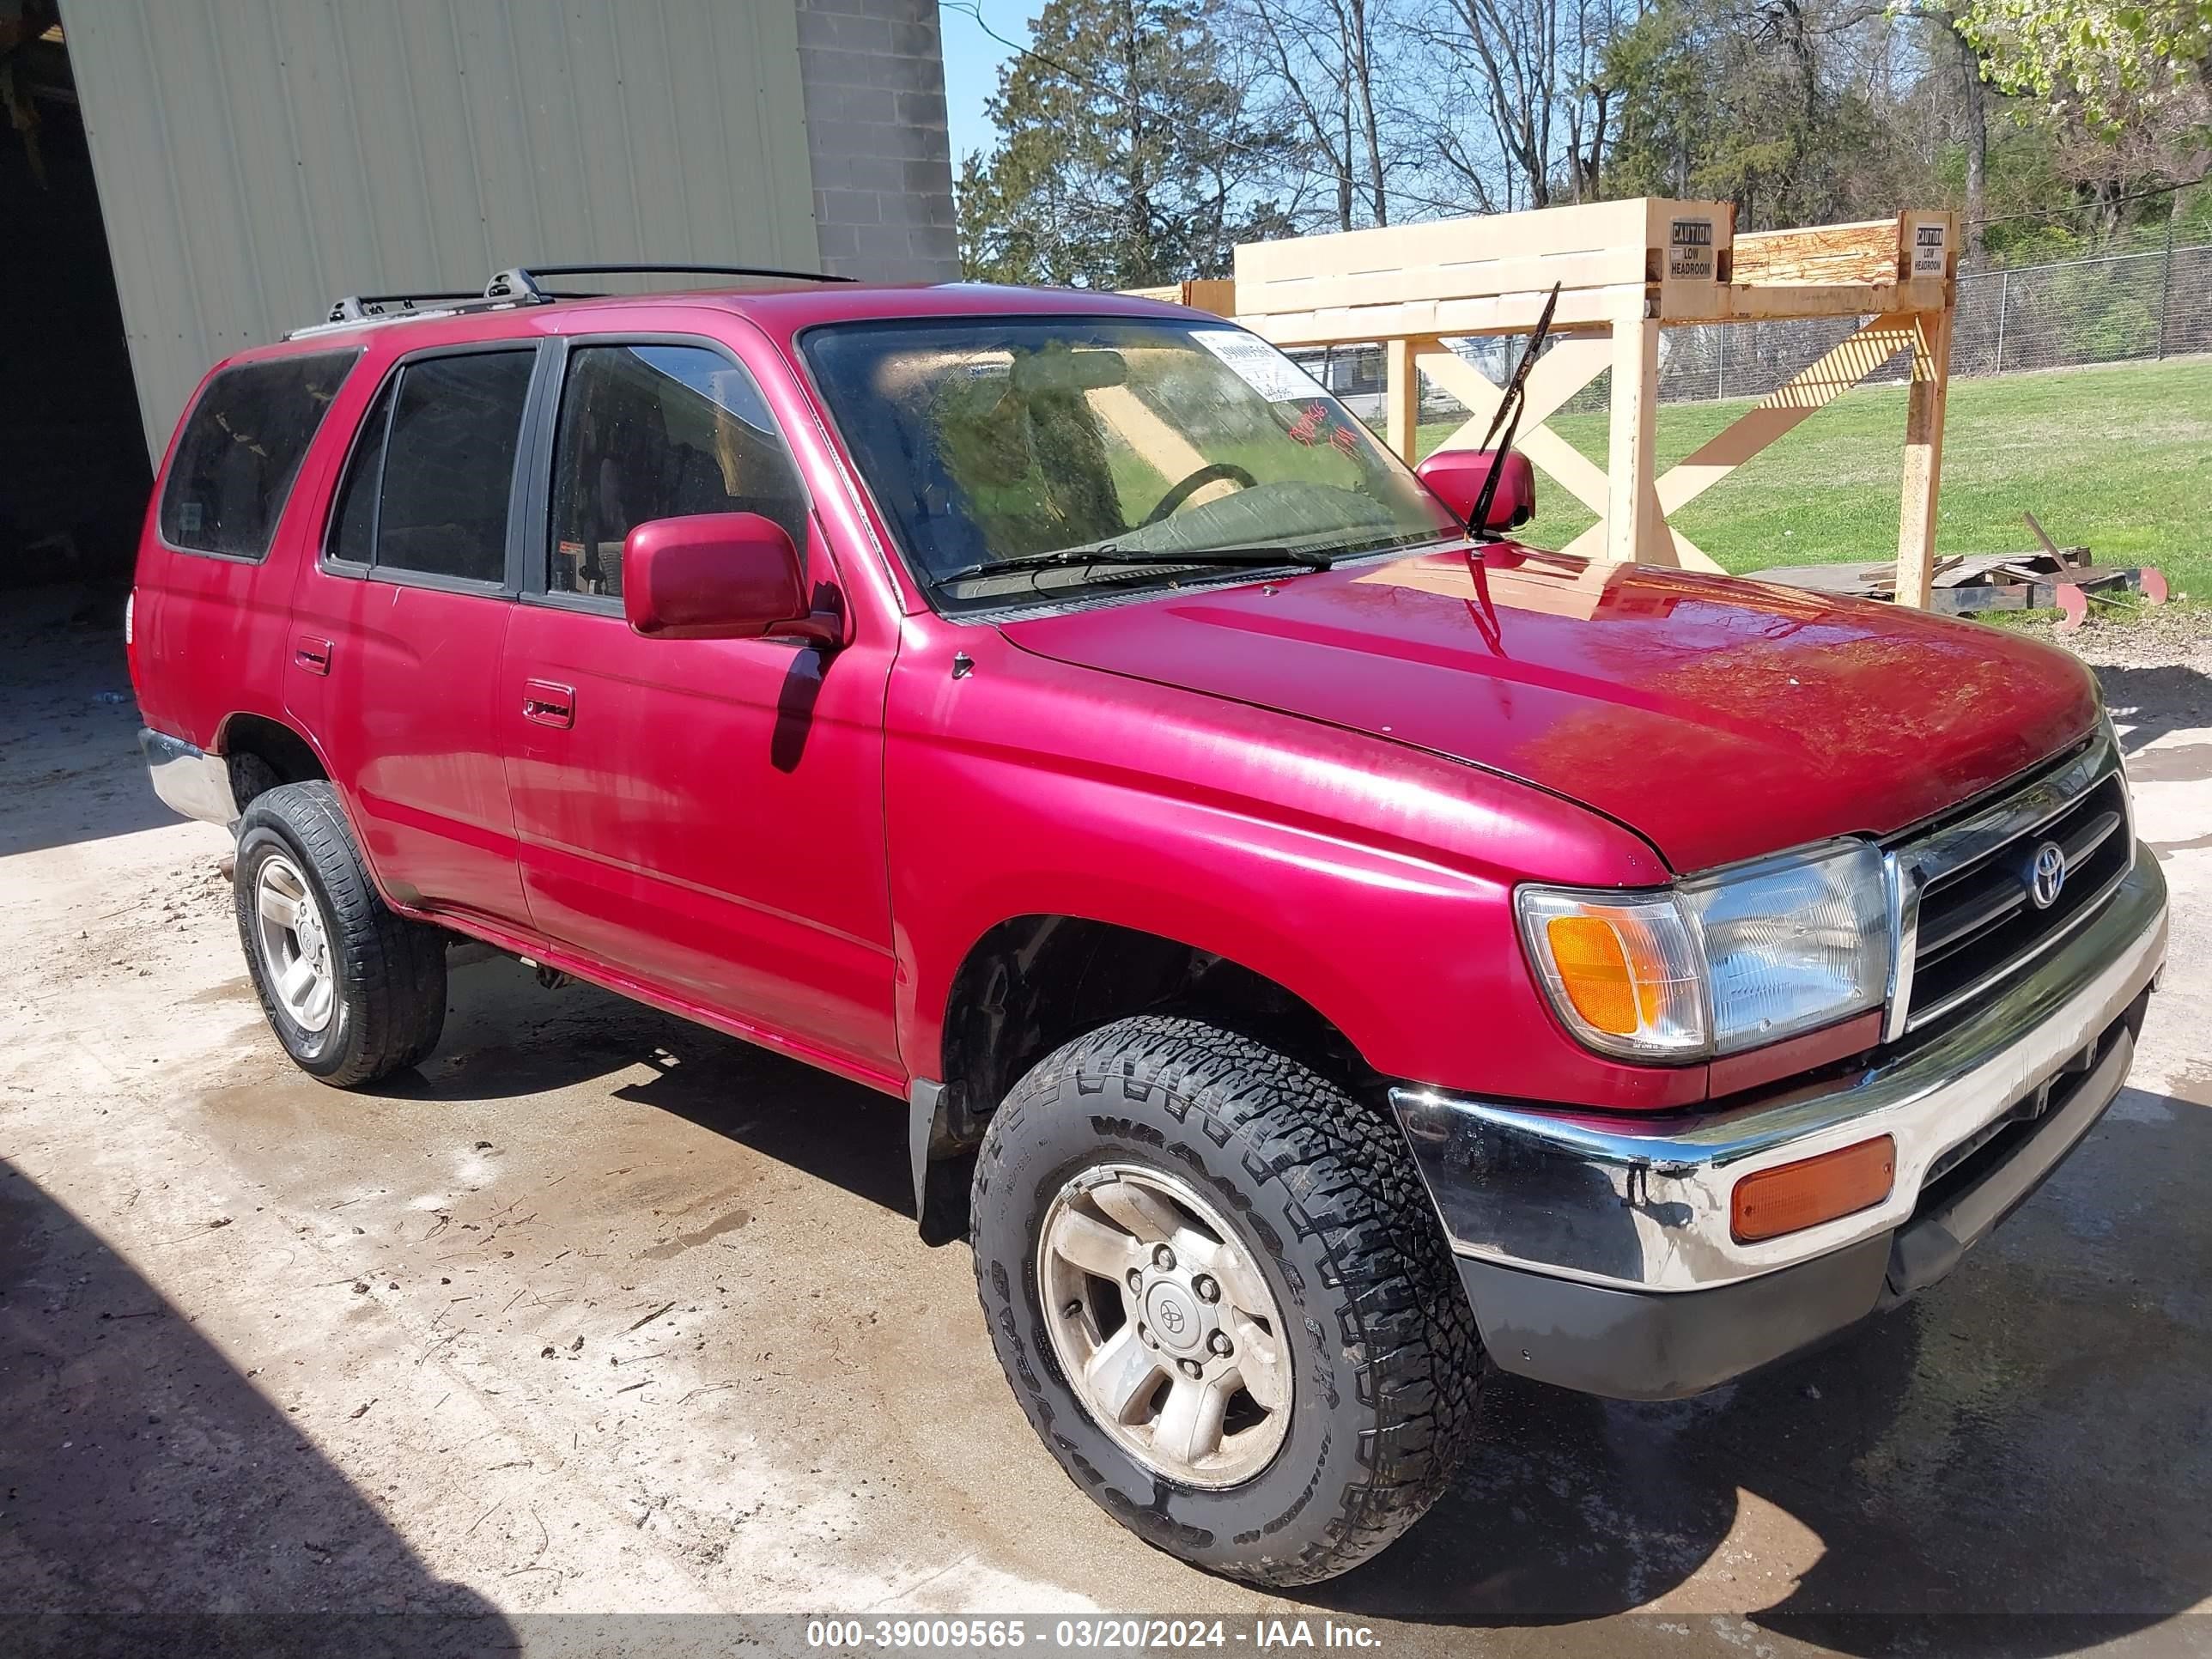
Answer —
971 66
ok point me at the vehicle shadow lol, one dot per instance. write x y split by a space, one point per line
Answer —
152 1499
2147 703
507 1037
2015 1462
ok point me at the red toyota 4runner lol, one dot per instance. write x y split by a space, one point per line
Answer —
1325 951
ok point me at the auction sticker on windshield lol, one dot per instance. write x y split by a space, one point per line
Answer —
1259 365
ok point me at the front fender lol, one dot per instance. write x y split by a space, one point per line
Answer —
1372 880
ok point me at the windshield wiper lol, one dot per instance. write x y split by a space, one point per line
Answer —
1509 405
1257 558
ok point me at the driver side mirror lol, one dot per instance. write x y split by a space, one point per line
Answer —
718 576
1455 477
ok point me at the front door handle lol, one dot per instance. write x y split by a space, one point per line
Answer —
312 654
549 704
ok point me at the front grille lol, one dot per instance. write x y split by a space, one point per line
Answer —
1976 921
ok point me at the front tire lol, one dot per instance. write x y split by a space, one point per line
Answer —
353 992
1222 1298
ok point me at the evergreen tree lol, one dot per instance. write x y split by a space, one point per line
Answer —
1125 157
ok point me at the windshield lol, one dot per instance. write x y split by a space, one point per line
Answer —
993 444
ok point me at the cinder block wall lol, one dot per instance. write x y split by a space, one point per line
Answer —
872 75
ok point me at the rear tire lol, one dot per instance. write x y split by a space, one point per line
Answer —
353 992
1270 1167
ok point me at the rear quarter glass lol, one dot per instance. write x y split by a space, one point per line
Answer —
241 448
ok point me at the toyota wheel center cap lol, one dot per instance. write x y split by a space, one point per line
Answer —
1173 1314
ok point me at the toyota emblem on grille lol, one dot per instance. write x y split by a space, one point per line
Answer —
2046 875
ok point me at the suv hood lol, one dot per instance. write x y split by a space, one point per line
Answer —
1720 718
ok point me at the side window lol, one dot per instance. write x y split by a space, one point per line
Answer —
241 449
658 432
353 522
448 466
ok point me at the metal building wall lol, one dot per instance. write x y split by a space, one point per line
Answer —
257 158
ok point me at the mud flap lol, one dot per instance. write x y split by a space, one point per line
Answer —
942 1136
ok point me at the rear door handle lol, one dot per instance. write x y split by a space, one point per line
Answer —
312 654
549 704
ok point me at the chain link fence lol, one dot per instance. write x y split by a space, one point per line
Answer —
2113 308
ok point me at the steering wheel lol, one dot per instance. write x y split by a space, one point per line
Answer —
1210 473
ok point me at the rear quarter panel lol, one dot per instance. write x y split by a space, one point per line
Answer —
212 633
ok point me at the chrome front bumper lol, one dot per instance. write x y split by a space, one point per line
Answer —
189 781
1644 1208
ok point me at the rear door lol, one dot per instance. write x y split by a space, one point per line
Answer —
397 633
706 815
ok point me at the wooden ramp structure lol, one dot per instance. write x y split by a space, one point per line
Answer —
1625 271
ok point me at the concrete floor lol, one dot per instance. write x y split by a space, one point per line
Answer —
604 1313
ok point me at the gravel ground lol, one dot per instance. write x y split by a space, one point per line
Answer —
2173 636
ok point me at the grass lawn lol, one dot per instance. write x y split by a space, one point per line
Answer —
2119 459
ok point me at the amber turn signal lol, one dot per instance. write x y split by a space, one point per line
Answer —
1792 1197
1595 972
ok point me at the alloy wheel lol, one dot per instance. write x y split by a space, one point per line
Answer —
1164 1325
295 943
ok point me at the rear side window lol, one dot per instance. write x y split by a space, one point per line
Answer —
241 449
433 469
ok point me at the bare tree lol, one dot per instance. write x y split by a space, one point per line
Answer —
1536 70
1944 20
1322 60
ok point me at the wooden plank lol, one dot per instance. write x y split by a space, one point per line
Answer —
1458 279
1488 274
1635 531
1614 230
1575 473
1215 294
1825 579
1690 556
1639 244
1822 255
1401 399
1750 302
1924 457
1513 313
1553 377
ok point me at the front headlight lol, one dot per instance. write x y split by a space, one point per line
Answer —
1718 963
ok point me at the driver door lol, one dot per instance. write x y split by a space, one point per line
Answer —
703 815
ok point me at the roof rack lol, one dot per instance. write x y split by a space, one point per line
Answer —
355 309
358 307
519 286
